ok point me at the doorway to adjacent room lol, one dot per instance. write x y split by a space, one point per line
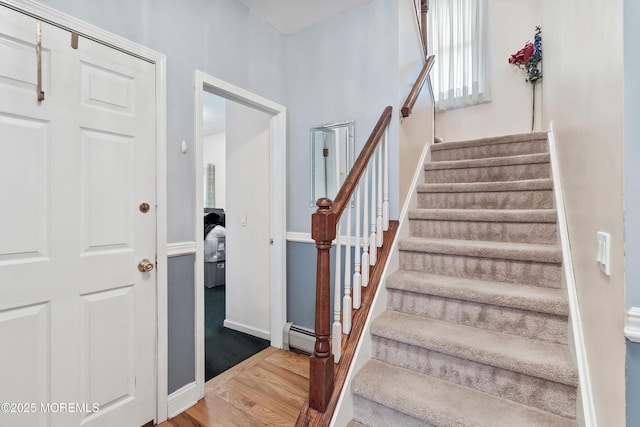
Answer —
240 263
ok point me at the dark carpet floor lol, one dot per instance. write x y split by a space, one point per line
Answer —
224 347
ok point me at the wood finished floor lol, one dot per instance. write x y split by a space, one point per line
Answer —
267 389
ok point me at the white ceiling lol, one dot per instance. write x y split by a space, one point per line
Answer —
289 16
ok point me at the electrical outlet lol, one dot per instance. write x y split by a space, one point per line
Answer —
243 219
603 252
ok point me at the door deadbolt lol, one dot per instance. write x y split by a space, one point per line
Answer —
144 207
145 265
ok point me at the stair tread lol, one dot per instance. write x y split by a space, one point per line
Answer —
528 356
507 139
518 296
522 159
486 215
489 186
444 403
483 249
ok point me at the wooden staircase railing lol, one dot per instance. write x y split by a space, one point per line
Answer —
337 341
324 223
310 417
408 105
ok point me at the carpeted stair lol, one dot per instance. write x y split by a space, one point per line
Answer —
475 332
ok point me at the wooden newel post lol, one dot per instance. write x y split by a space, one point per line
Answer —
323 231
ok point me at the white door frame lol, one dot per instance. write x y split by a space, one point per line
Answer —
54 17
277 209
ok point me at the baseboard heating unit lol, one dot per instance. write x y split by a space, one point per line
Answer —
299 338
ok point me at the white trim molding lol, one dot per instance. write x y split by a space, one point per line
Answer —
297 237
632 325
89 31
182 399
181 248
586 392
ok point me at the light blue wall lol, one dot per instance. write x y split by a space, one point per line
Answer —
632 150
632 194
219 37
345 68
301 281
181 320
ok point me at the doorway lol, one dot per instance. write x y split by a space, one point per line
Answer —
235 143
255 221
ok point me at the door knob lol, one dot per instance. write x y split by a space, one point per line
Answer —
145 265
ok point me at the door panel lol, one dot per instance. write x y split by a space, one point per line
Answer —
107 89
108 377
78 316
24 164
27 328
18 65
107 191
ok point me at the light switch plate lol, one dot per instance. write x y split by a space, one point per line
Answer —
603 252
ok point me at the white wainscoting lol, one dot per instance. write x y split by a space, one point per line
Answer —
181 248
293 236
632 325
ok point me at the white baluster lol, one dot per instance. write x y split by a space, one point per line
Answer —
373 241
337 326
379 234
357 277
385 203
365 235
346 301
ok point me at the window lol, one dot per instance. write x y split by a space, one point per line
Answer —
457 38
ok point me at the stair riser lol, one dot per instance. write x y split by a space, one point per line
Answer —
538 199
507 320
488 174
491 150
547 395
519 232
373 414
501 270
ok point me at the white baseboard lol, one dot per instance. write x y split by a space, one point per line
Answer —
586 392
182 399
181 248
240 327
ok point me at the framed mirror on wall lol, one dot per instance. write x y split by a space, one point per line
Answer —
332 156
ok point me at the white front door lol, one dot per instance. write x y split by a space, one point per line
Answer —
77 317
